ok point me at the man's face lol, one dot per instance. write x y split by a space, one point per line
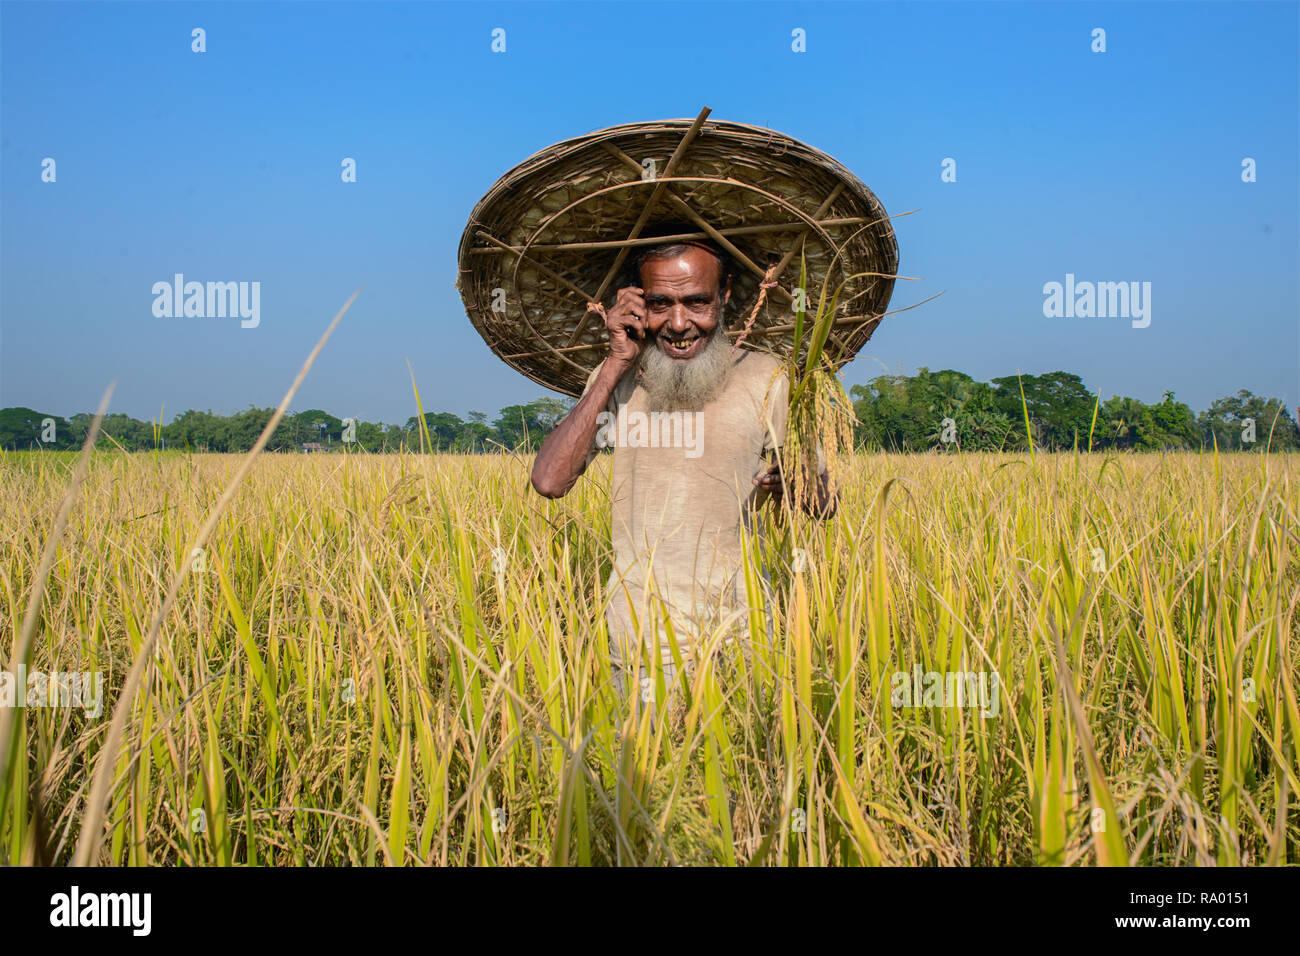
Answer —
681 294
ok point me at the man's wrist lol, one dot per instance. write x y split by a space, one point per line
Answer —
613 370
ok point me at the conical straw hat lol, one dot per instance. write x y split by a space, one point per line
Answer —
553 233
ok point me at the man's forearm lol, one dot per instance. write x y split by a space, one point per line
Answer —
563 456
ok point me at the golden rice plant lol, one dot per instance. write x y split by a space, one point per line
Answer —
402 660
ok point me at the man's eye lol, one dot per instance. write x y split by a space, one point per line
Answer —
658 306
701 305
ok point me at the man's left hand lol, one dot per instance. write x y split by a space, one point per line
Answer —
821 502
771 482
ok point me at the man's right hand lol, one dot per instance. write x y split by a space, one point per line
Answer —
563 455
626 322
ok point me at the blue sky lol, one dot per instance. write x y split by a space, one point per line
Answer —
1115 166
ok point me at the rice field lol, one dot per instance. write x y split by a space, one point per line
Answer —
402 660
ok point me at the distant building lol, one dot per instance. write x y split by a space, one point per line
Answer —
308 447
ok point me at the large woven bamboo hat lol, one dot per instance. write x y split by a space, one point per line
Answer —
553 234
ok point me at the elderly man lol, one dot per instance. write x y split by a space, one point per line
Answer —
695 426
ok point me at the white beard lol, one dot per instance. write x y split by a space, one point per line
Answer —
685 385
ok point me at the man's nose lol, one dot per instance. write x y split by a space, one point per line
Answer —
679 319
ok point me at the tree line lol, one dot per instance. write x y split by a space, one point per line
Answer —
949 409
945 410
516 426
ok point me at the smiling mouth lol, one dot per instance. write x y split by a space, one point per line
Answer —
681 347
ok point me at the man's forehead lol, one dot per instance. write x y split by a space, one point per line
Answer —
690 268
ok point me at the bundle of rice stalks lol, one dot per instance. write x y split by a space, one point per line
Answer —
820 420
